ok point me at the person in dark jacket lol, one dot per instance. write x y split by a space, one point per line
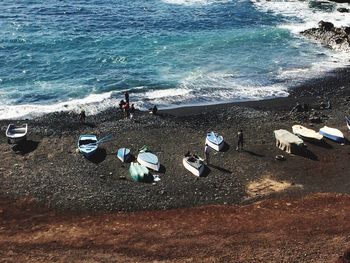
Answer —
240 140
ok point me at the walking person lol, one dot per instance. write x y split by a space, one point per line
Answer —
240 140
206 152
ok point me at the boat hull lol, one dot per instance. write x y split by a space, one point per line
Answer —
195 171
332 134
16 134
214 141
123 154
149 160
87 145
138 172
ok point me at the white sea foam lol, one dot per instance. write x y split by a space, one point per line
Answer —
92 104
308 16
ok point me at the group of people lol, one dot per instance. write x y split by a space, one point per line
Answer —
125 106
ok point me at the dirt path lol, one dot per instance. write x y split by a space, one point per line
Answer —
313 229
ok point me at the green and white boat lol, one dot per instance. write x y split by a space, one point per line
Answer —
138 172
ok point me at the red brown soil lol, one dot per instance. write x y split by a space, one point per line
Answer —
313 229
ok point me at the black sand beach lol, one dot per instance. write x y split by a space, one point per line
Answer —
49 169
56 205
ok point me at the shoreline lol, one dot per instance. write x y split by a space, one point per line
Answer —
49 169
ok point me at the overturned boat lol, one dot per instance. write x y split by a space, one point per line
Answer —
138 172
123 154
332 133
148 159
16 134
306 133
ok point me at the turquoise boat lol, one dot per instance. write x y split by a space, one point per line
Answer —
138 172
123 154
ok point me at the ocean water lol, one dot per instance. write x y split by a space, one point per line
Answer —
67 55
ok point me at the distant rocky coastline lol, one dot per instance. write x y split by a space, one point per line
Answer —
327 34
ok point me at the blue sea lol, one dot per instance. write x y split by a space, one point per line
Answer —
68 55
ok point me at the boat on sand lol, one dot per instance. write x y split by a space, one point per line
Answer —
332 133
194 164
16 134
138 172
306 133
87 145
214 141
123 154
148 159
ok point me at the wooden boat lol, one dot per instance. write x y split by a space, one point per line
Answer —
332 133
138 172
87 145
287 141
306 133
16 134
348 122
215 141
194 164
123 154
148 159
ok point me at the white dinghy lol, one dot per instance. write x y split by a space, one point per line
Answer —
214 141
194 164
16 134
306 133
332 133
148 159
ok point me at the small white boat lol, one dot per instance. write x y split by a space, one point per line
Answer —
194 164
306 133
332 133
148 159
214 141
123 154
87 145
16 134
348 122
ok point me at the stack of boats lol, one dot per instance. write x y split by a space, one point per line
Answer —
139 171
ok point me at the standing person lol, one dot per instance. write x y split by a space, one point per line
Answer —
132 111
126 108
240 140
126 94
206 152
82 117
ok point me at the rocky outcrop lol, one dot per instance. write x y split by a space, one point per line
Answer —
327 34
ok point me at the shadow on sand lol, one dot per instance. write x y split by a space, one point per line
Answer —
206 172
162 169
321 143
253 153
226 147
219 168
99 156
306 153
25 147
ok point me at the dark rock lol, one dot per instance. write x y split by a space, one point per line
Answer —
327 26
327 34
343 10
